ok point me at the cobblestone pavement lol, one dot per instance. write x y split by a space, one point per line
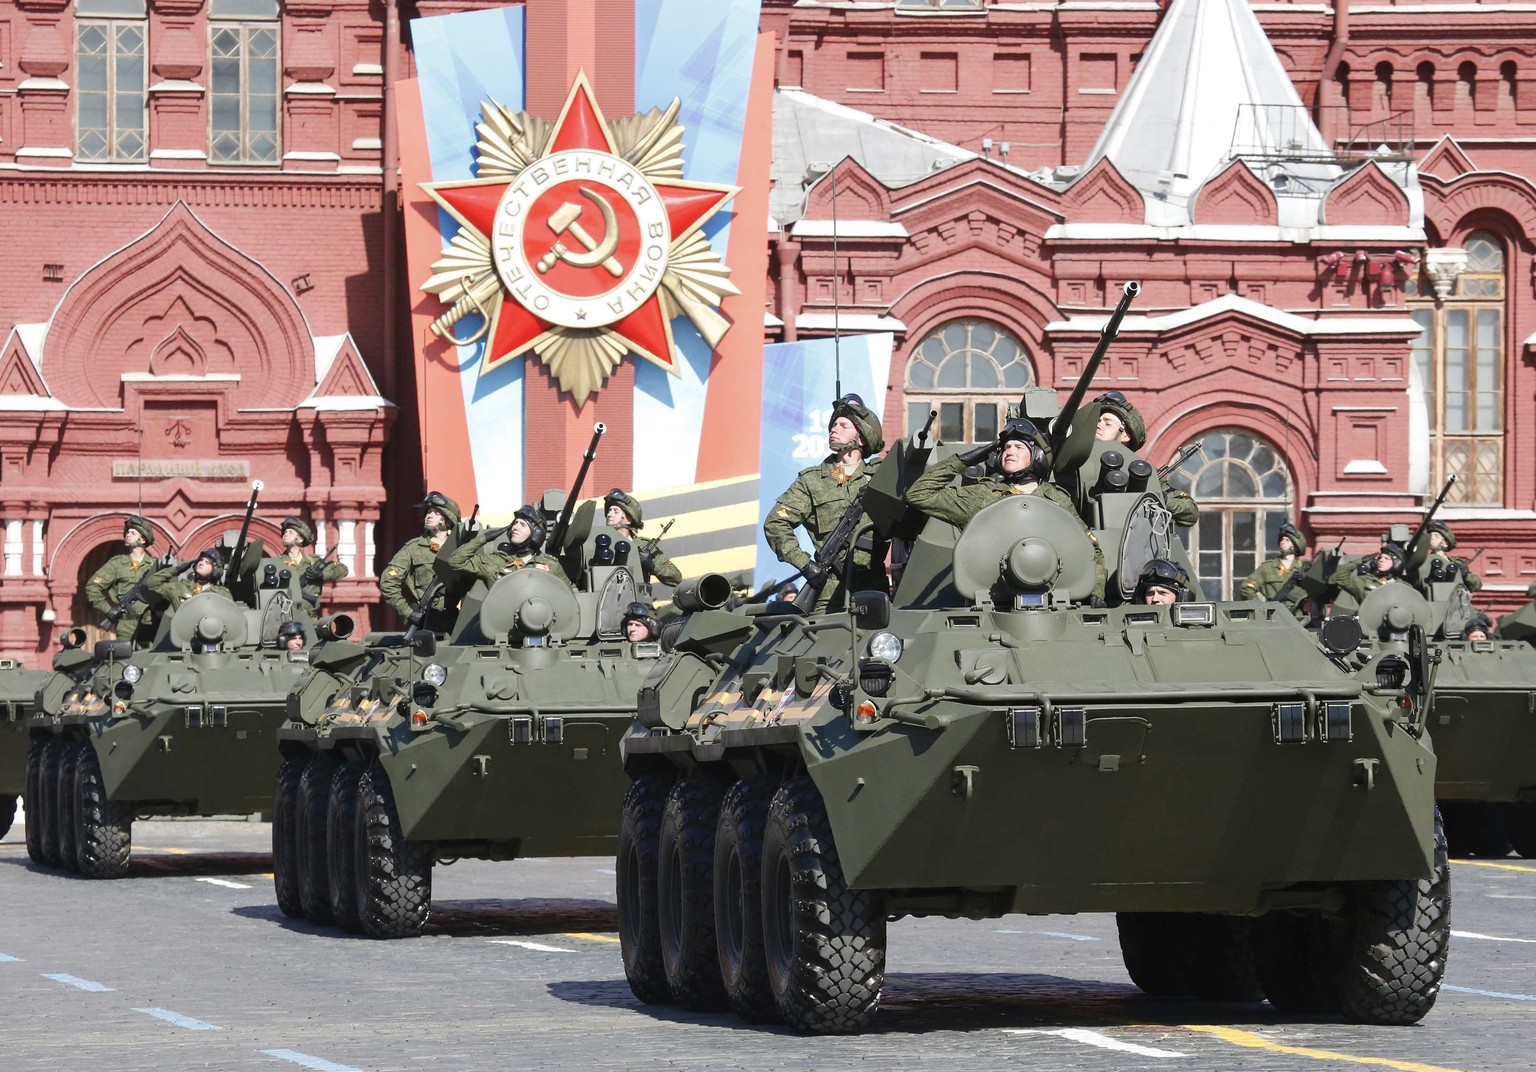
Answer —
187 964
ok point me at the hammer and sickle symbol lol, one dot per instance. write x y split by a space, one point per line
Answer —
564 220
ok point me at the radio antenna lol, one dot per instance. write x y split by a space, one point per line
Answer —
837 286
139 465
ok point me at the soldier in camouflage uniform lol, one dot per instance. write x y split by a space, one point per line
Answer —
169 584
408 574
1478 627
1440 566
1162 582
1362 578
313 571
819 498
522 549
1121 422
113 581
1273 574
625 515
1019 463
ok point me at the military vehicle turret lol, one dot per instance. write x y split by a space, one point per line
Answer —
986 741
18 687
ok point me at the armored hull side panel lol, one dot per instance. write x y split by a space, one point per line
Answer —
1484 721
18 687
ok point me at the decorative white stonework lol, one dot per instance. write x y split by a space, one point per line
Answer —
13 548
370 549
346 544
37 548
320 538
1443 266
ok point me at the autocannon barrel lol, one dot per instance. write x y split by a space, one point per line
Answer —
709 592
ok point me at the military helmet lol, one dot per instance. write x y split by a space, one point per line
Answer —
436 500
1024 430
1293 533
1116 403
1530 590
537 530
288 630
628 503
641 612
863 420
1164 573
306 534
1478 621
1445 530
141 525
1398 558
212 555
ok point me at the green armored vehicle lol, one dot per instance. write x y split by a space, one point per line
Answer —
986 741
498 741
18 687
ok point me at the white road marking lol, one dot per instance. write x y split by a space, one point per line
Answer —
1057 934
1488 993
224 882
1094 1038
605 871
319 1064
1512 896
537 947
79 983
179 1020
1491 937
10 960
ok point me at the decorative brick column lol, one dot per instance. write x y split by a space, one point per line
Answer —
178 122
47 135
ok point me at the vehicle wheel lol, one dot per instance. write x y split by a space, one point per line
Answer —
7 814
285 836
314 875
635 870
1395 939
685 893
1294 952
32 796
104 827
395 875
341 847
1148 947
825 943
48 800
1520 821
67 805
739 901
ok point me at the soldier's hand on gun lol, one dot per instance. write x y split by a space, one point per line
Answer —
815 574
313 574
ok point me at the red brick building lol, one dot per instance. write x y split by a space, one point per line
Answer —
203 235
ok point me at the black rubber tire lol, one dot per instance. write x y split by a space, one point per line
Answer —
635 876
738 899
7 813
825 943
48 799
395 875
32 796
1395 937
1520 821
285 836
68 805
341 847
1148 948
103 827
685 893
314 875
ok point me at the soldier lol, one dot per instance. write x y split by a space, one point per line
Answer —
1440 566
1478 627
1121 422
313 570
1163 581
1275 575
522 549
175 589
406 577
1017 464
822 494
1360 580
639 625
290 636
625 515
110 584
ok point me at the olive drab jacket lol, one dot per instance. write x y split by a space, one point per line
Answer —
1349 579
1183 507
817 501
299 561
112 582
658 565
1449 567
176 590
933 494
1270 579
471 559
405 579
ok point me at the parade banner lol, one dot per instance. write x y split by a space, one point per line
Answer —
800 383
573 265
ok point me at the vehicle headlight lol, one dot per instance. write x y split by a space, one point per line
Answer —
434 674
132 672
885 646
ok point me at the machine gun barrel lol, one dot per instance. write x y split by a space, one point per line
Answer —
1165 471
557 537
1429 515
245 530
1063 423
922 436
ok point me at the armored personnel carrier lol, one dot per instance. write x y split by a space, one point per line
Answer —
497 741
985 741
18 687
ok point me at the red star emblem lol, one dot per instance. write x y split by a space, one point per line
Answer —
577 249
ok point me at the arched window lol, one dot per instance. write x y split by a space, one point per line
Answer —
1459 356
1245 494
968 370
111 81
